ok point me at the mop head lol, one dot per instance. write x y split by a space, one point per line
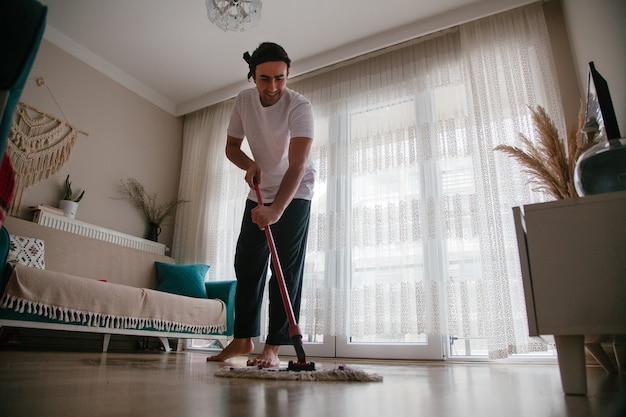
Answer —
341 373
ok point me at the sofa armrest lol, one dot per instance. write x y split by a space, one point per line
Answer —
5 245
5 268
225 291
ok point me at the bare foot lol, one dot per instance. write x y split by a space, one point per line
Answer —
237 347
267 359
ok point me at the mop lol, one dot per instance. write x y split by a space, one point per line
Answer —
300 370
338 374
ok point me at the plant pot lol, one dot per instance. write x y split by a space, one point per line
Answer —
154 230
69 208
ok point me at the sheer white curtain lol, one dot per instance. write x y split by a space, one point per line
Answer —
206 227
411 230
509 68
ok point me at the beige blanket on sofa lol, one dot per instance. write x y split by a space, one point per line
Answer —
88 302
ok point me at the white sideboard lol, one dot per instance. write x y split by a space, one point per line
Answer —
573 261
66 224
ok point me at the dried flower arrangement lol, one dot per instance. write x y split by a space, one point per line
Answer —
130 189
551 162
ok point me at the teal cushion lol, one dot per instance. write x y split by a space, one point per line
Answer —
182 279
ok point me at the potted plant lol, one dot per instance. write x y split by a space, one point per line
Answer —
69 202
550 163
154 213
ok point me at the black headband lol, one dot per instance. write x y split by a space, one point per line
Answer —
266 52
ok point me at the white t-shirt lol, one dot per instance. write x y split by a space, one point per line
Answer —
268 131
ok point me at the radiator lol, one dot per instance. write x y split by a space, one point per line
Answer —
66 224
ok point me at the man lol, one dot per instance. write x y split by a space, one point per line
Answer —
278 124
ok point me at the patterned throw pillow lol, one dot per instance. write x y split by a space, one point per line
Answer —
27 251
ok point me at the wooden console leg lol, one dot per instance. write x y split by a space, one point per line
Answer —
571 354
619 349
594 347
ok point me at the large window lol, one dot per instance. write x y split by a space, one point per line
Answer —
412 242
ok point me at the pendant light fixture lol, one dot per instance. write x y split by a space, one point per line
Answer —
234 15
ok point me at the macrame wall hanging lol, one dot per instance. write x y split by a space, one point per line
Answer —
39 145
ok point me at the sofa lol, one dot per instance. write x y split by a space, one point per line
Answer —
59 280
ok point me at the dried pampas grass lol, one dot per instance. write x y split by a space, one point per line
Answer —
551 161
130 189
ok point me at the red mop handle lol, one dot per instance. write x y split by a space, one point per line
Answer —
294 329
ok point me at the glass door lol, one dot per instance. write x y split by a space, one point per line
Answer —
370 273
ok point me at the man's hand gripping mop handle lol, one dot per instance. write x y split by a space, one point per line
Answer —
295 333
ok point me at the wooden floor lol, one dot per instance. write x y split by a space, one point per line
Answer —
182 384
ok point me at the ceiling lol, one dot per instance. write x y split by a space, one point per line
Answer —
168 52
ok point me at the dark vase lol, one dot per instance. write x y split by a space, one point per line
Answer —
154 230
601 168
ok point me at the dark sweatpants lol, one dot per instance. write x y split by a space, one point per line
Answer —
252 258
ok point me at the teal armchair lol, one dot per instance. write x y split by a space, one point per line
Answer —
5 244
225 291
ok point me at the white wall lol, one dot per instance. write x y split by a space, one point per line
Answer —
597 32
128 137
